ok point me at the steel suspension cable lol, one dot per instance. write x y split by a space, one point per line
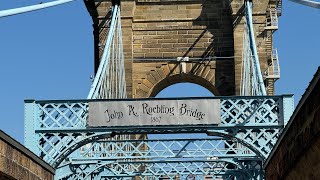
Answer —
11 12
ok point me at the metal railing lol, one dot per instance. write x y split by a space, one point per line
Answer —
272 19
273 70
279 7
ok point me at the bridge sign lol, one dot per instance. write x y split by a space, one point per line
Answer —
154 112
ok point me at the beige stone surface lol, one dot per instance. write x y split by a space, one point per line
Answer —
16 165
167 29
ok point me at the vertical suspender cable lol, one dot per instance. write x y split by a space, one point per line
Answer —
248 13
123 78
105 56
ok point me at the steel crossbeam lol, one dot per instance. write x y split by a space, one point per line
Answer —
240 111
164 148
251 169
159 158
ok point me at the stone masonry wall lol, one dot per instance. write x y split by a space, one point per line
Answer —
167 29
298 154
16 164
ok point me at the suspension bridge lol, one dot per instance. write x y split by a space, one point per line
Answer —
213 44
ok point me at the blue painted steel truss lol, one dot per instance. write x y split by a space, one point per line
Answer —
57 132
184 169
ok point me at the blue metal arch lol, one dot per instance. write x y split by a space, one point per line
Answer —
93 138
97 136
96 171
241 141
66 152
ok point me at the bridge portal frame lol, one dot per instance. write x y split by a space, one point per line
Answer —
57 131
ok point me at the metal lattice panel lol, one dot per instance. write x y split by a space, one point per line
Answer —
164 148
59 127
245 111
62 115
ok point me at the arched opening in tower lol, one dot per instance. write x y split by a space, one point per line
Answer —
182 90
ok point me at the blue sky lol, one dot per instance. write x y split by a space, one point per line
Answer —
48 54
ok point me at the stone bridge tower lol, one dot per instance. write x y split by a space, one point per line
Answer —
199 41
